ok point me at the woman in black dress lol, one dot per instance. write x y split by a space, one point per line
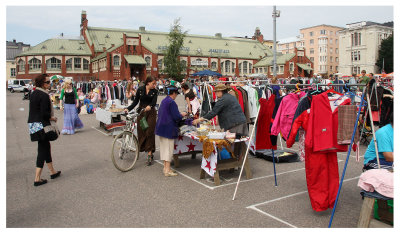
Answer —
146 96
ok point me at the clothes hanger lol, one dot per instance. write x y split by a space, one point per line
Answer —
331 90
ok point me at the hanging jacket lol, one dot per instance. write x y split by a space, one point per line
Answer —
284 116
263 140
300 119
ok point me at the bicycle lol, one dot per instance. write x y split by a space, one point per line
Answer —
125 147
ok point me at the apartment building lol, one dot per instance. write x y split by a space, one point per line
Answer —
288 45
359 45
322 45
13 49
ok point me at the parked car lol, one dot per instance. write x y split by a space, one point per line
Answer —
20 85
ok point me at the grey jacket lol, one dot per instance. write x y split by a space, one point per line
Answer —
229 112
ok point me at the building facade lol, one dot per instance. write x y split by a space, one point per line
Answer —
322 45
359 45
13 48
295 64
119 54
289 45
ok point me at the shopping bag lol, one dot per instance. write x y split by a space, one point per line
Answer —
143 123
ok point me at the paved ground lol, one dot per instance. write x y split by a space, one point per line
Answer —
92 193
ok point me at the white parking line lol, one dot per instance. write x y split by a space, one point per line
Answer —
254 206
99 131
190 178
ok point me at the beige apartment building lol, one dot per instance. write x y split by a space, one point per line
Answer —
12 50
359 46
321 44
288 45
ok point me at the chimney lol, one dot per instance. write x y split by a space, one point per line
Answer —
219 35
14 40
84 22
112 45
142 28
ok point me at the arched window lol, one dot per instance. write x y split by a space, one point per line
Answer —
250 68
240 68
77 64
35 64
214 65
227 66
245 67
68 63
116 61
53 64
85 64
233 67
21 65
148 61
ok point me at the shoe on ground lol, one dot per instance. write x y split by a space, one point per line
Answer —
170 173
38 183
57 174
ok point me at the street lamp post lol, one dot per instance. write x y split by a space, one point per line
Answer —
275 14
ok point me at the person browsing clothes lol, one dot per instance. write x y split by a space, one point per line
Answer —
229 112
167 128
146 97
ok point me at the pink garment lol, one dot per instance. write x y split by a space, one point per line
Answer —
285 114
380 180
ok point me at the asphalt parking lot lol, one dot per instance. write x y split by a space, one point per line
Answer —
92 193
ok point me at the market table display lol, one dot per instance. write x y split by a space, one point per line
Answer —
110 119
191 143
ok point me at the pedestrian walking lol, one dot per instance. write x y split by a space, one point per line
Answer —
71 104
40 115
146 97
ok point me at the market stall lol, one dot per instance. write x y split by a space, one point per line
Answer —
110 118
216 148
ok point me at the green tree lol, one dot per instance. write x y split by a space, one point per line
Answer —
173 67
386 55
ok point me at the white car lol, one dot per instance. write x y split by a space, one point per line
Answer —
19 85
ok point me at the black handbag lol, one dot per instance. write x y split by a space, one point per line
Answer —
51 131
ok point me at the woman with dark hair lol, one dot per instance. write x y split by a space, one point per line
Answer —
40 115
167 128
193 104
146 96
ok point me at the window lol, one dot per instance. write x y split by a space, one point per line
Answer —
330 41
312 51
116 61
281 69
159 63
214 65
34 64
356 39
312 59
21 65
222 66
291 67
302 35
245 67
69 64
12 72
336 41
330 50
330 68
233 67
250 67
331 59
53 64
227 66
311 34
240 68
331 32
85 64
148 61
337 59
322 32
77 64
356 70
312 42
337 51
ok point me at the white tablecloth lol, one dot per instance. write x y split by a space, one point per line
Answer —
105 116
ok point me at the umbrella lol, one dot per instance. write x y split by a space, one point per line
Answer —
206 73
56 77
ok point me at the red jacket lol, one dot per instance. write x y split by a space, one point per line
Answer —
263 140
322 125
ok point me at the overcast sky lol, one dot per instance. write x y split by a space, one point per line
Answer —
35 24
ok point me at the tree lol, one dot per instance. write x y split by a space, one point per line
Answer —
173 66
385 57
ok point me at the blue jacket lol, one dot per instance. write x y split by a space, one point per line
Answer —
168 118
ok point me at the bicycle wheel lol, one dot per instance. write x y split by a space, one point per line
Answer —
125 151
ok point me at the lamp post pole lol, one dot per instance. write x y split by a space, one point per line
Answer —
275 14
